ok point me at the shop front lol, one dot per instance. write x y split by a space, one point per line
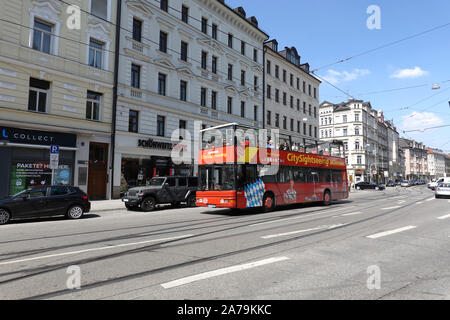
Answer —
141 159
25 159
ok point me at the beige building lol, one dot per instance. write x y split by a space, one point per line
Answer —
291 95
416 159
56 88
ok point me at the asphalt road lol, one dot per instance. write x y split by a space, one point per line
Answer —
391 244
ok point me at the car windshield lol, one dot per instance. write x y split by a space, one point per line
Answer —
156 182
217 177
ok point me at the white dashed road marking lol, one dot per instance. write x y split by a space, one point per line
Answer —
390 208
219 272
387 233
301 231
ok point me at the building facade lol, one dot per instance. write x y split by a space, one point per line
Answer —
436 163
56 88
356 124
181 63
291 96
416 159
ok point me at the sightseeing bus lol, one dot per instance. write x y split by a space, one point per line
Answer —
238 174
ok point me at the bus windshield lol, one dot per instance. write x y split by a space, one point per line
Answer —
217 177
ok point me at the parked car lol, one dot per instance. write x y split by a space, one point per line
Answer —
442 190
45 201
391 184
162 190
405 183
369 185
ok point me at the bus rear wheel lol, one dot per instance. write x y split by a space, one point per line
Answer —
268 203
326 198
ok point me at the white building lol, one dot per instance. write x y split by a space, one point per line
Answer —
364 135
180 62
291 95
436 163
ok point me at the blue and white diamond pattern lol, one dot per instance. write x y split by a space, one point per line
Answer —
254 193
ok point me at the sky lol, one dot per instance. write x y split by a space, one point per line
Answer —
327 31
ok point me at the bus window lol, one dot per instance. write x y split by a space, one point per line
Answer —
312 175
267 174
285 175
337 176
299 175
325 175
246 174
217 177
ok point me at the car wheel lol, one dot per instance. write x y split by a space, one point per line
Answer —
326 198
358 188
268 203
5 216
192 201
377 188
75 212
148 204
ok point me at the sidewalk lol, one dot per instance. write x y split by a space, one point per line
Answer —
107 205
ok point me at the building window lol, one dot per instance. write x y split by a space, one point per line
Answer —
230 40
298 84
304 87
304 107
99 8
183 90
344 118
182 124
277 120
357 131
214 100
309 90
284 75
160 126
277 95
356 116
255 83
162 84
269 117
304 128
133 120
95 53
298 104
164 5
205 25
315 112
163 41
137 30
268 67
204 60
230 72
214 65
277 72
269 92
284 98
184 51
243 48
242 77
298 126
345 133
359 159
292 102
214 31
230 105
357 145
255 55
135 76
203 97
243 109
37 99
315 132
310 130
292 124
93 106
315 93
291 80
284 122
255 113
310 111
185 14
42 36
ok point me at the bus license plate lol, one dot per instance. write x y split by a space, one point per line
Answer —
211 205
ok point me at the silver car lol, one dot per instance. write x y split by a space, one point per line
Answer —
442 190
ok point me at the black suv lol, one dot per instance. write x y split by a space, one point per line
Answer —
45 201
162 190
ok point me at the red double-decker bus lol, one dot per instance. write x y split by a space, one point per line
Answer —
237 175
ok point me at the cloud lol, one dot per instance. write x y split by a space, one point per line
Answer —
420 121
416 72
335 77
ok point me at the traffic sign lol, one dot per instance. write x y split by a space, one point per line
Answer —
54 149
54 157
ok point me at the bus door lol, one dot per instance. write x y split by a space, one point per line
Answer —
313 180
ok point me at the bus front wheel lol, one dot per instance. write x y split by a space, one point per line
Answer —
268 203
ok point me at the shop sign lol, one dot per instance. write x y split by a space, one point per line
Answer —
151 144
15 135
